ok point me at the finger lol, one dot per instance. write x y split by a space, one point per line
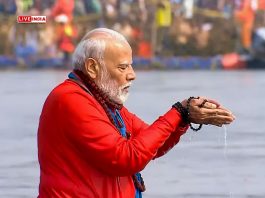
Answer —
203 103
211 101
219 112
196 101
218 125
214 102
214 117
226 112
220 120
210 105
200 102
224 108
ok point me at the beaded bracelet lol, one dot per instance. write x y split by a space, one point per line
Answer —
188 109
183 112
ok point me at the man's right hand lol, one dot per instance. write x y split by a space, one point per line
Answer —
210 113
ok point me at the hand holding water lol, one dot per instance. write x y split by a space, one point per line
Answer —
206 111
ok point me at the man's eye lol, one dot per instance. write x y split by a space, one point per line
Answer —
123 67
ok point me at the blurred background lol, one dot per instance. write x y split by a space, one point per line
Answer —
182 48
163 33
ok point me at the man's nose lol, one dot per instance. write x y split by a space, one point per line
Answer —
131 74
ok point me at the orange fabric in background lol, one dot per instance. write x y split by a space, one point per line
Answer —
245 16
144 49
246 34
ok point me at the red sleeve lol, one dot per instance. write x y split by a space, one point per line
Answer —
88 127
171 141
136 125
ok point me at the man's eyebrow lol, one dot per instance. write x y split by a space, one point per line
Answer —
126 63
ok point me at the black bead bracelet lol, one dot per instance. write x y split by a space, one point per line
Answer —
183 112
188 110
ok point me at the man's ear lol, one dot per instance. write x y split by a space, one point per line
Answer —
92 68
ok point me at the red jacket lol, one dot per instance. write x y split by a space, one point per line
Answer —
81 153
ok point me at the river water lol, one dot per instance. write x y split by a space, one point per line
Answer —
212 163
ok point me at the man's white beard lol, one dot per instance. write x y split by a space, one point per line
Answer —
111 88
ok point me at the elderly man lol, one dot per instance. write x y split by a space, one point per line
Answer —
89 144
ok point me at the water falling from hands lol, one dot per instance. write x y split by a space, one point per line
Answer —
225 155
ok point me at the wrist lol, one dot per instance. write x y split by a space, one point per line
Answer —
182 111
184 103
188 110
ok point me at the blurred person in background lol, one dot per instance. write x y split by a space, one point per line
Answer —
110 12
65 33
89 143
43 6
63 7
163 22
188 8
245 17
47 41
92 6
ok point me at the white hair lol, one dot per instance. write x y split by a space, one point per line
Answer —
94 47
